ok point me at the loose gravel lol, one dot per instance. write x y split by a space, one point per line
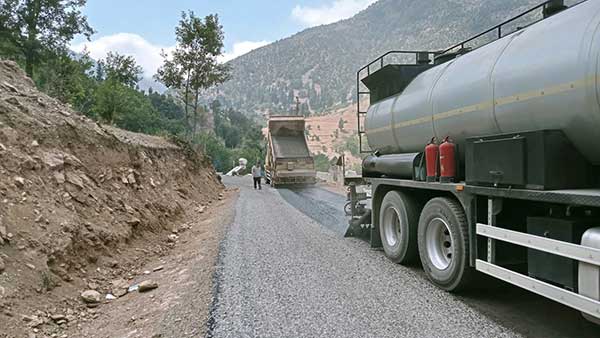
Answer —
282 274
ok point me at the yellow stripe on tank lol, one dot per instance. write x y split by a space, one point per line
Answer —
554 90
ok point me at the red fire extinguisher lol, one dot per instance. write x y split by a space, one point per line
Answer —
431 160
447 161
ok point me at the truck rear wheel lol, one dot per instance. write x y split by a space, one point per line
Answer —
398 219
443 243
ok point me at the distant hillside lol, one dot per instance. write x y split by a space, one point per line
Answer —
319 64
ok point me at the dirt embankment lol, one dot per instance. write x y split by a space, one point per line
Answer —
74 196
326 137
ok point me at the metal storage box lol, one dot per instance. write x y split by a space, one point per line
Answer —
540 160
553 268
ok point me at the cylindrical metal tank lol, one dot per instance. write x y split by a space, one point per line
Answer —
546 76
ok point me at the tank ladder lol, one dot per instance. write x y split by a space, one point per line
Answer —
362 91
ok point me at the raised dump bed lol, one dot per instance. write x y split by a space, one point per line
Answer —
288 158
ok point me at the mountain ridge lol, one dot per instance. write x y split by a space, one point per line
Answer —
318 65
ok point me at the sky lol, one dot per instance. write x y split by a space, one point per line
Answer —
143 28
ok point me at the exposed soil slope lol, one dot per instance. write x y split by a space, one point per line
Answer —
73 196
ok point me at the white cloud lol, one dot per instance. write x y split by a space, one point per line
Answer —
326 14
145 53
241 48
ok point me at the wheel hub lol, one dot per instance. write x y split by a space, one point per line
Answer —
439 243
391 226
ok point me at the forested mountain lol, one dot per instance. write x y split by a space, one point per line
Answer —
319 64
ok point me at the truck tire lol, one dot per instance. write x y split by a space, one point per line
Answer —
398 220
443 239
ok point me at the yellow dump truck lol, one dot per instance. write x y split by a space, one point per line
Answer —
288 158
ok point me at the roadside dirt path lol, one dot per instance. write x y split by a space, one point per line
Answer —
180 305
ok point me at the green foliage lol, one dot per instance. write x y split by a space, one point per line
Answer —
166 105
225 158
322 163
121 69
237 136
193 64
352 145
221 157
68 79
35 28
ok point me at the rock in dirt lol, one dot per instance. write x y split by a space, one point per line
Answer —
131 178
134 222
2 265
91 297
147 285
3 232
120 292
57 317
59 177
53 161
19 181
74 179
119 287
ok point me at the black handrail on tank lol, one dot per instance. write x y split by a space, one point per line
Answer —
381 61
499 27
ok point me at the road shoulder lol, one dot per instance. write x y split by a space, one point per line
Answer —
179 307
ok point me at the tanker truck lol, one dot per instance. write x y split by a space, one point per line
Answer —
484 159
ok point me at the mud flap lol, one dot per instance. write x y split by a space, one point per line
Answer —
360 227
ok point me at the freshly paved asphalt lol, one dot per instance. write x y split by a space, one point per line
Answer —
285 270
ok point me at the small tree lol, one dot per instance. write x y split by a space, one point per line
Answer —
193 65
120 75
35 27
121 69
341 123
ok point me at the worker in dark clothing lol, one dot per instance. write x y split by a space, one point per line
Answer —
257 175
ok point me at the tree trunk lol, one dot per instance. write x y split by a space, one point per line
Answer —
196 111
186 103
32 31
29 60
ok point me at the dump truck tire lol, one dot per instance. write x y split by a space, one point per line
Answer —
398 220
443 239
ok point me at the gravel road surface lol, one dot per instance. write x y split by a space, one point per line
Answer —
285 271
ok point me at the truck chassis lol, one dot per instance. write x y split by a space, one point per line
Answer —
484 237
